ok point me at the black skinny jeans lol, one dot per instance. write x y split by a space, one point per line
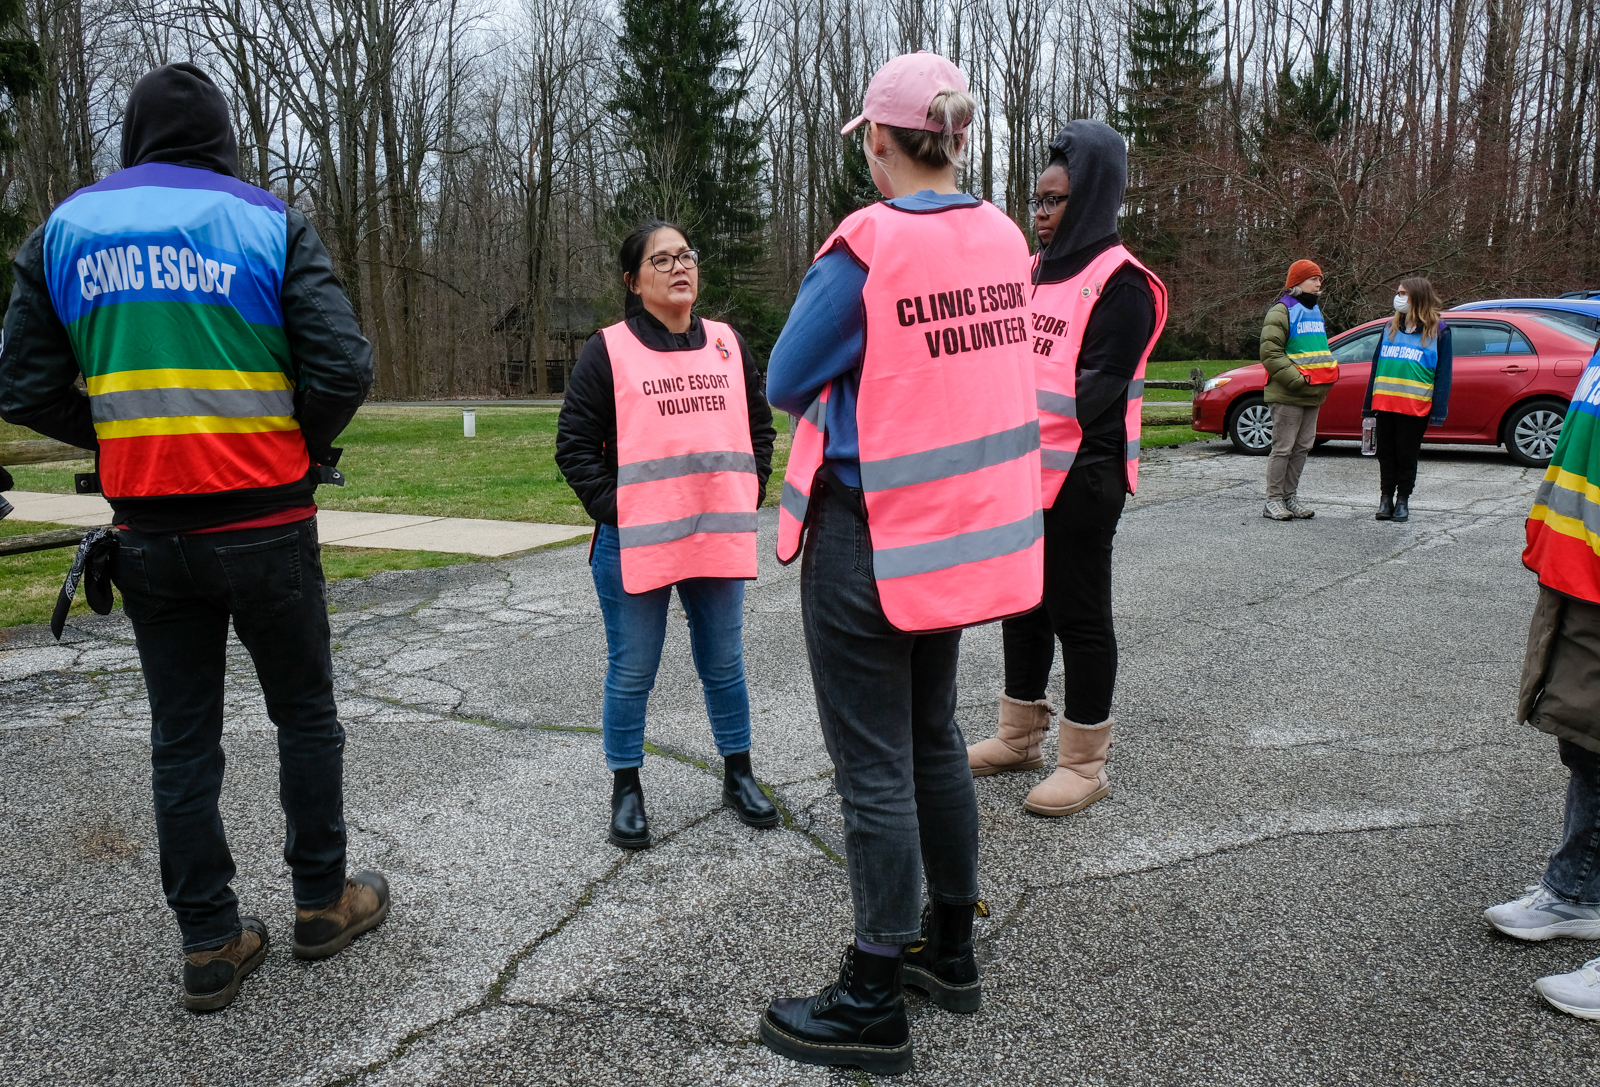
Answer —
1078 531
1399 445
887 704
179 592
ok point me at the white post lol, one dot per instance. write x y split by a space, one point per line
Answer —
469 423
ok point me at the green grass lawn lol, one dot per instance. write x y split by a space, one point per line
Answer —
1179 371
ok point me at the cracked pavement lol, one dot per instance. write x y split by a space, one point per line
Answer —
1317 788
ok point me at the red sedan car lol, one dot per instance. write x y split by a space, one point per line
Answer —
1513 376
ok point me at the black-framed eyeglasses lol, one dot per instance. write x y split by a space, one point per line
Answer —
1048 203
663 262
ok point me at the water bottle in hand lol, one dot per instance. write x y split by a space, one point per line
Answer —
1369 436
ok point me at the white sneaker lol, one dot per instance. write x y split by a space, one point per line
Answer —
1577 993
1277 511
1543 915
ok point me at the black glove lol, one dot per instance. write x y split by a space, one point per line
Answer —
92 565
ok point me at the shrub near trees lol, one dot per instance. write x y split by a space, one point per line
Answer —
469 161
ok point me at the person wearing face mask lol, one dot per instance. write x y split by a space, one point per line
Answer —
666 438
912 493
1300 371
1097 313
1408 391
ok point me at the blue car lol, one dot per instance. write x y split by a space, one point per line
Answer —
1582 312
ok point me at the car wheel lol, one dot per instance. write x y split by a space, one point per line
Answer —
1250 427
1532 431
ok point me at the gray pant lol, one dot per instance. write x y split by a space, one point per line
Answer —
887 704
1293 432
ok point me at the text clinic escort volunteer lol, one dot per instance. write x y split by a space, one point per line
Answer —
685 405
967 302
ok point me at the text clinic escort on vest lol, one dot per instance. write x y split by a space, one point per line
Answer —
685 405
967 302
119 269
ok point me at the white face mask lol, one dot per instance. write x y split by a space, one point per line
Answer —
1401 303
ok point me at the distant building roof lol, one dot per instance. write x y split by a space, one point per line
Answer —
581 315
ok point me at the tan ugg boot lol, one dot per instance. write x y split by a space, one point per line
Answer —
1022 729
1080 779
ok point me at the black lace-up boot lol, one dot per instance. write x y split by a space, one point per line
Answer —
942 964
741 793
859 1019
630 829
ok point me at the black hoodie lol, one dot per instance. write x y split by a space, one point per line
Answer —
177 115
1096 160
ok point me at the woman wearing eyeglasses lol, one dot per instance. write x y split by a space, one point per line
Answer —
666 438
1097 313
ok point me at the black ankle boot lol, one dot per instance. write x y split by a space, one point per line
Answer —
630 829
941 964
859 1019
1385 508
741 793
1402 508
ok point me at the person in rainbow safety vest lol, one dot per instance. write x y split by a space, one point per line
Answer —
1300 371
1408 391
1560 695
911 500
666 438
1097 313
221 359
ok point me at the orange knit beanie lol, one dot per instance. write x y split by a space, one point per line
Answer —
1299 272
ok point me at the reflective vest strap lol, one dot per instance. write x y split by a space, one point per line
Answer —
667 531
958 550
806 451
948 461
686 464
1058 404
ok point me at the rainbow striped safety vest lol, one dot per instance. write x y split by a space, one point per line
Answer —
1563 531
1403 382
167 279
1307 346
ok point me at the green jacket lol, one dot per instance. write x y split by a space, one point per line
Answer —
1285 385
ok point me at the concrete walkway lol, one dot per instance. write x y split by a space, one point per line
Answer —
1317 788
451 535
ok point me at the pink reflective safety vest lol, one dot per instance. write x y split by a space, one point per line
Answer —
1060 316
686 470
949 436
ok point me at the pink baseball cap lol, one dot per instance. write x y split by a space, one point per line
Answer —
903 89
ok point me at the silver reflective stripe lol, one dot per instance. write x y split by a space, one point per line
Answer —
1383 386
1566 502
1133 449
1057 460
166 403
1058 404
685 464
816 413
1136 388
793 502
667 531
986 543
950 460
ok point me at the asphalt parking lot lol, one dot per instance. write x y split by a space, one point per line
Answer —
1317 788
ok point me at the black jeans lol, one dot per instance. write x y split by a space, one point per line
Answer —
887 704
179 592
1399 444
1078 531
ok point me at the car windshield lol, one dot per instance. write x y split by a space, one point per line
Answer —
1582 335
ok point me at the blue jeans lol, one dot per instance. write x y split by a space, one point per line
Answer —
1574 869
886 701
179 592
636 628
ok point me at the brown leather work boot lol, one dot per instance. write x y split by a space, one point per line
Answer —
324 932
211 978
1081 777
1016 746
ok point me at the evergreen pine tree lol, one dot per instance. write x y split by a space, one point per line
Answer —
21 73
1313 105
679 96
1170 73
854 188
